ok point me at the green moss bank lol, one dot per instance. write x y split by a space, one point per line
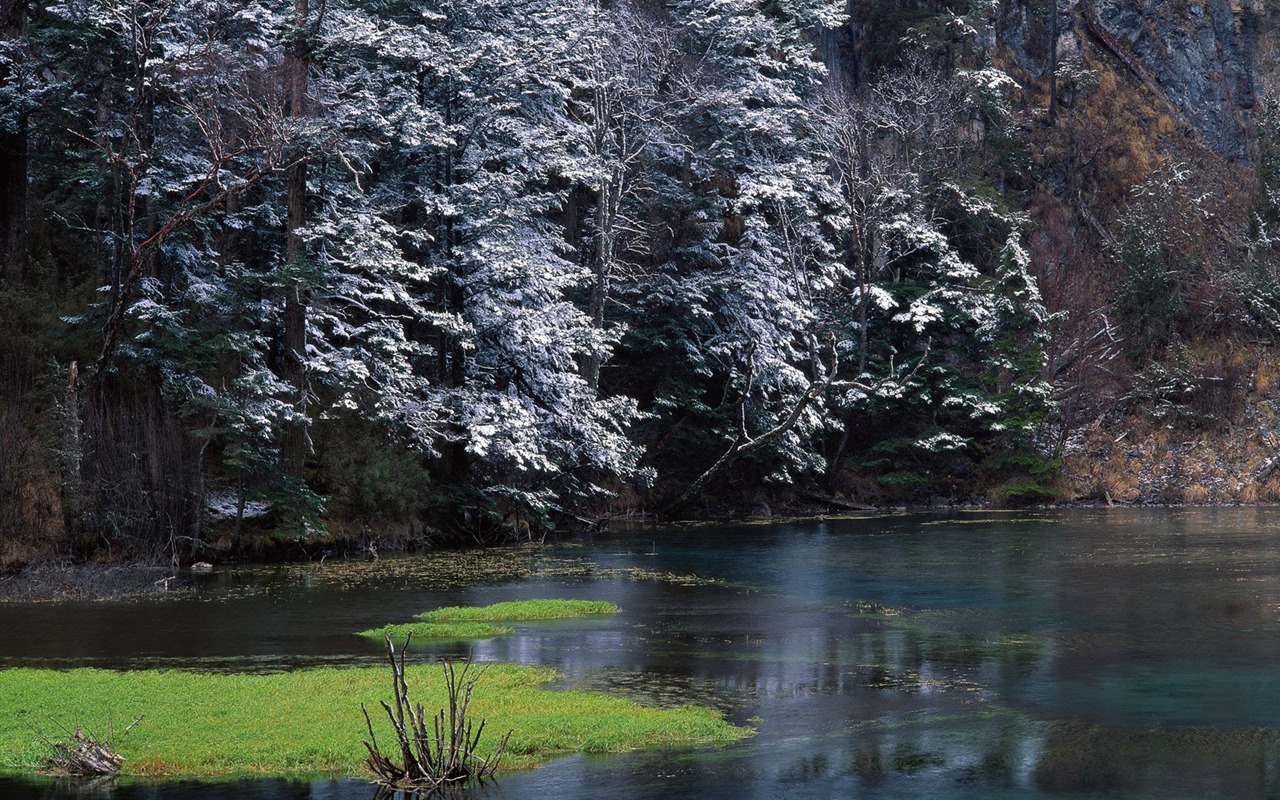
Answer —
438 631
522 611
309 722
477 622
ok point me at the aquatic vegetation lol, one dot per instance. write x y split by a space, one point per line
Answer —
443 570
658 689
435 569
522 611
307 722
940 635
1076 752
477 622
439 631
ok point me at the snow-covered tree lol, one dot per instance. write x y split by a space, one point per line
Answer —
731 297
180 122
471 100
621 125
521 243
934 266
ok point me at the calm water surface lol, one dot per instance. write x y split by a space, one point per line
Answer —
1082 653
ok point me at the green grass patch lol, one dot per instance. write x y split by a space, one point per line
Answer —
309 722
522 611
438 631
477 622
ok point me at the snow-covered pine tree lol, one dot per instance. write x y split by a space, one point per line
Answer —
934 260
480 192
728 314
179 120
620 125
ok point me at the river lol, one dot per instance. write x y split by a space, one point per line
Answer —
1109 653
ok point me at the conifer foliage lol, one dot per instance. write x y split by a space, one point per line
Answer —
552 253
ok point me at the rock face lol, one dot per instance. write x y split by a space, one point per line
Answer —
1201 53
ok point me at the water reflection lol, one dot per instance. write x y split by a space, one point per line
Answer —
125 789
1116 653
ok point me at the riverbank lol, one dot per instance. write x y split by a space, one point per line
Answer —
62 579
308 722
1158 452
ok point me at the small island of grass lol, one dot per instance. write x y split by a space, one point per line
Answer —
522 611
479 622
438 631
308 722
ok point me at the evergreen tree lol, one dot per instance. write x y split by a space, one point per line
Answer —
730 302
478 131
524 244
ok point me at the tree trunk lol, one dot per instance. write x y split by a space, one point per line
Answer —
1053 61
145 223
13 160
595 310
72 485
452 344
459 459
108 213
601 272
297 64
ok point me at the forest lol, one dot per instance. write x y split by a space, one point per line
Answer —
460 270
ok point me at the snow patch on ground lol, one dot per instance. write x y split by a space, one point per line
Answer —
221 507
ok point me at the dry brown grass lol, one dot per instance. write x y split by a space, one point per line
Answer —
15 553
1266 377
1120 473
1269 490
1197 494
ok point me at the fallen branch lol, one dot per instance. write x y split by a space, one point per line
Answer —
83 755
836 502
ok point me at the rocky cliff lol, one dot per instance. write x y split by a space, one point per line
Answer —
1203 57
1120 88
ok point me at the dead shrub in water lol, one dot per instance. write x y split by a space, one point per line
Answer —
438 753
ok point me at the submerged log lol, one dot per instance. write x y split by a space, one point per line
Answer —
839 503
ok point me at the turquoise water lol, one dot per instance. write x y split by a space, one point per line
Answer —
1109 653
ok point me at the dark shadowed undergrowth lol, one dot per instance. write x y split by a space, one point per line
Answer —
64 580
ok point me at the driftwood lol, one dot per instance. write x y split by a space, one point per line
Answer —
1274 462
435 754
836 502
84 755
